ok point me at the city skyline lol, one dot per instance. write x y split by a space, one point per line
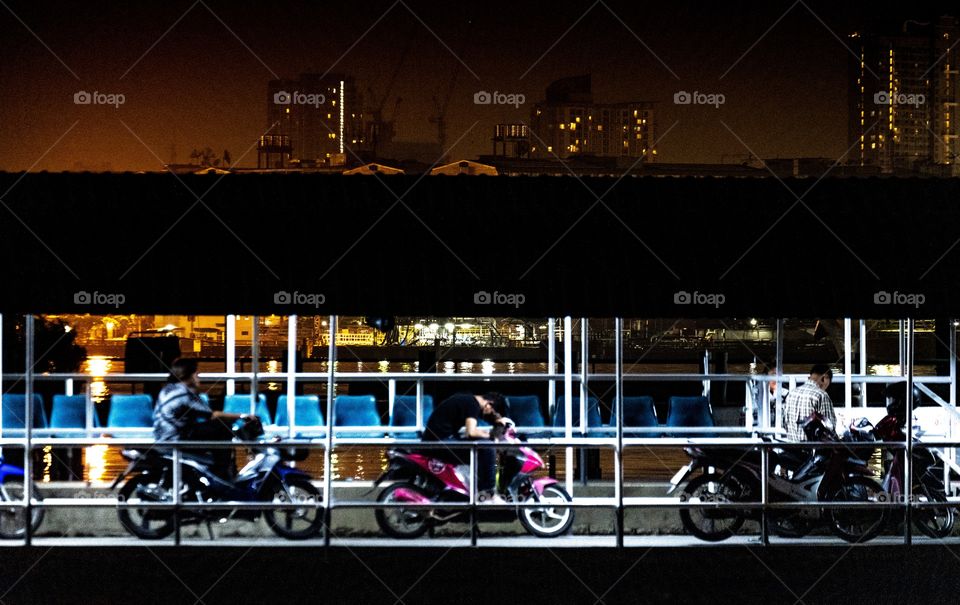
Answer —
195 76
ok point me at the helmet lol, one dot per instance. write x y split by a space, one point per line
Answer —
896 396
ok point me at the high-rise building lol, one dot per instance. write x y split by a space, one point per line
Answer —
904 91
321 116
569 123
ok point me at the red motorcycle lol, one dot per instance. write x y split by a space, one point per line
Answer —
423 478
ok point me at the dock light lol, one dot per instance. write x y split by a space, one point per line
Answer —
753 322
448 327
434 326
418 326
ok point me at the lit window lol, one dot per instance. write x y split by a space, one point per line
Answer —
563 126
550 148
287 110
578 119
573 125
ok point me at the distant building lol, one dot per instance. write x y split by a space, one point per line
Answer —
320 115
372 169
569 123
906 82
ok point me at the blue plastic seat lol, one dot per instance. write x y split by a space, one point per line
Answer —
525 410
240 404
70 412
15 412
405 413
690 412
594 424
638 412
306 414
356 410
130 411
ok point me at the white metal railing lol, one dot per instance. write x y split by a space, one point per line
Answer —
570 436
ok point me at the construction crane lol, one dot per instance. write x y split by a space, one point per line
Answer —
441 103
381 130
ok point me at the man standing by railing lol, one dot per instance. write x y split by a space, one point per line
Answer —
809 397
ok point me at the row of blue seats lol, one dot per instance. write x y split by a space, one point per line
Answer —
69 412
136 411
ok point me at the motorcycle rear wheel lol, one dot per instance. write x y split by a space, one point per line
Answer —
296 523
934 522
712 525
860 524
145 523
13 520
399 522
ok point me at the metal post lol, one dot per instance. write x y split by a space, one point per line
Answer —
618 406
567 396
953 402
230 349
255 366
327 453
706 370
552 366
863 362
474 524
291 370
908 466
391 396
28 425
584 356
421 421
847 363
779 391
900 347
177 479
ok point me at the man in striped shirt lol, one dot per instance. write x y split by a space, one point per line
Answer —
809 397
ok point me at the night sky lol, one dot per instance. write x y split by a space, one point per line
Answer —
189 82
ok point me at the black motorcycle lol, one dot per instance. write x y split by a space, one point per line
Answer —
266 478
831 474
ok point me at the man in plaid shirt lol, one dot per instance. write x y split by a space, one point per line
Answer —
809 397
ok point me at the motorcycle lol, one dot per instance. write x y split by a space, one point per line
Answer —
928 487
825 475
423 478
266 478
13 519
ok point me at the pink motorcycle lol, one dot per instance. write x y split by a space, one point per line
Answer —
421 478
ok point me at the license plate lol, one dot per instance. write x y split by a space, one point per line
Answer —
681 474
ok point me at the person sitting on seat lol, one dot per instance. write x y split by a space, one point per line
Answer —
181 415
809 397
465 410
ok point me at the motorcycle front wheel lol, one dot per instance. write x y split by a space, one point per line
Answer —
553 519
399 522
146 523
712 524
296 523
13 519
857 524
